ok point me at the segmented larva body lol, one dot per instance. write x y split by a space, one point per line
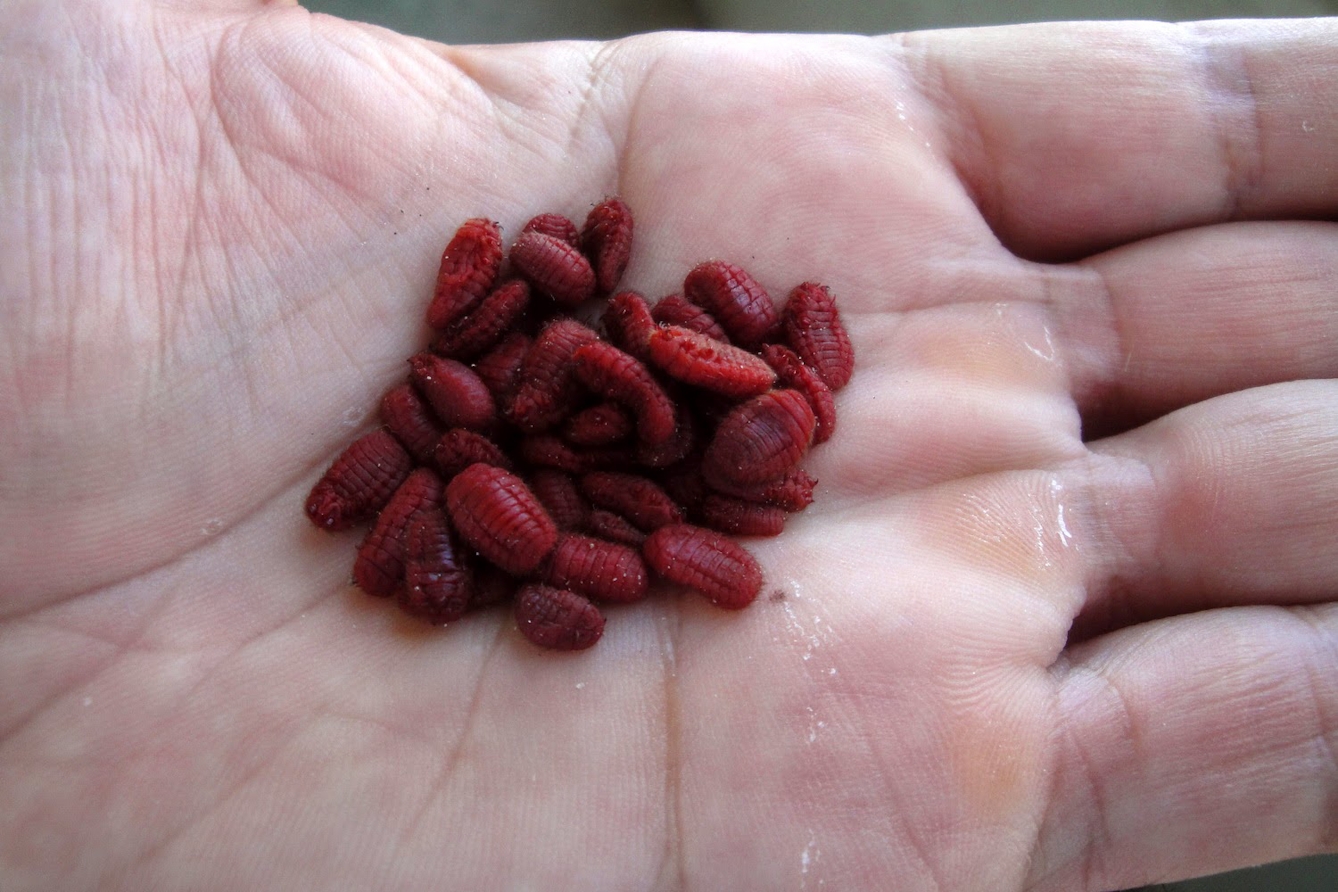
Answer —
614 527
814 330
476 332
605 571
702 361
459 448
469 266
760 441
628 322
621 377
359 482
793 372
557 492
457 395
496 513
792 492
550 452
554 267
379 568
735 299
555 225
634 497
406 416
675 309
438 581
607 239
730 515
556 618
499 368
547 389
705 561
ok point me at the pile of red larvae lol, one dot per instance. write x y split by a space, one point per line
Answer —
531 456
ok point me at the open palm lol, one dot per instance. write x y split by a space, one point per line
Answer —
999 651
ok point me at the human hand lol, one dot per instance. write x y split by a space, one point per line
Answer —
220 228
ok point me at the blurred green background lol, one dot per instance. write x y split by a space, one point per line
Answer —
477 21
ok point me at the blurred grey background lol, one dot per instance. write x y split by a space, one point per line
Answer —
480 21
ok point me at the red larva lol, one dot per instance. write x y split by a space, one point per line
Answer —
496 513
814 330
628 322
614 527
741 306
689 425
741 518
500 367
457 395
607 240
705 561
702 361
791 493
438 582
791 371
640 500
760 440
559 495
359 482
605 571
547 389
621 377
554 267
675 309
555 225
469 266
598 425
475 333
406 416
379 568
557 618
459 448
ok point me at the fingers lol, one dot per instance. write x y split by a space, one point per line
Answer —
1179 318
1231 501
1076 137
1192 746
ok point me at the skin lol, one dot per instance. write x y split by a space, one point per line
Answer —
1060 618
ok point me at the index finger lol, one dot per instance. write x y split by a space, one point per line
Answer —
1076 137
